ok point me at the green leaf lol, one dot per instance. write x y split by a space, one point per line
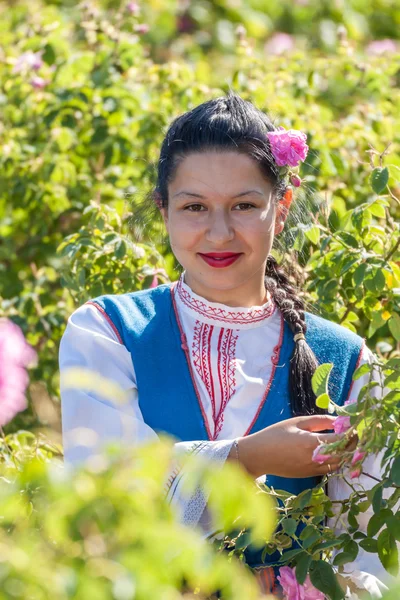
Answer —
302 566
369 545
395 471
323 401
359 273
348 239
394 326
324 579
379 179
361 371
349 554
375 523
377 210
387 552
320 379
312 233
289 526
393 524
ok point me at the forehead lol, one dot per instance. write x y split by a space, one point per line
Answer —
231 169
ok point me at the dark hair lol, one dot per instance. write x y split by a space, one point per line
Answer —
231 123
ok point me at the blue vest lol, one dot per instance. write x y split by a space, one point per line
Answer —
147 325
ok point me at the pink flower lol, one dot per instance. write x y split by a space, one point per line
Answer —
378 47
341 424
357 456
288 146
39 83
355 473
28 60
293 590
141 28
319 457
154 283
279 43
15 355
133 8
295 180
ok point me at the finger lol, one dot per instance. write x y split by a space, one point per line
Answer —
316 422
327 438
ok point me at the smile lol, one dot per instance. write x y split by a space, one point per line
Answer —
220 262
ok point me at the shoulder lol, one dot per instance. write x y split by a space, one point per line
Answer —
140 297
328 332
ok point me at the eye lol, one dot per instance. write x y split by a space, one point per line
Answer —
246 204
191 207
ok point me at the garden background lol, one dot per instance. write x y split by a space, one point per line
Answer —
86 93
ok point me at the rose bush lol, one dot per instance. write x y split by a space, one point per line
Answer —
85 96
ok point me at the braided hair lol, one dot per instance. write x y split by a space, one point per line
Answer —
232 123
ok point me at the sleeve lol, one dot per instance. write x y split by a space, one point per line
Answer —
366 572
90 420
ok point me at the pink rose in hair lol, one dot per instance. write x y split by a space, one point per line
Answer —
295 180
288 147
15 355
293 590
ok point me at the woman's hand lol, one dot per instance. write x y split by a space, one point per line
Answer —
286 448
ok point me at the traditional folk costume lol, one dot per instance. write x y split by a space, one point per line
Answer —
205 373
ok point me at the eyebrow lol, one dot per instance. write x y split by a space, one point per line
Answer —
194 195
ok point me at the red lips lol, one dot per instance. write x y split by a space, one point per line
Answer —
220 254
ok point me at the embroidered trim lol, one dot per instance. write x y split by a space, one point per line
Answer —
274 360
226 372
186 350
220 314
105 315
265 577
195 449
356 367
201 352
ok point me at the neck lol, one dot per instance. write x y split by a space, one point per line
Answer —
244 296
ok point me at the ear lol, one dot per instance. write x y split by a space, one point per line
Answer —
163 210
282 210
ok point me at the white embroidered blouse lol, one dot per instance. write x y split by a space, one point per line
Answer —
232 352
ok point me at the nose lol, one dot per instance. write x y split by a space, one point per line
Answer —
219 228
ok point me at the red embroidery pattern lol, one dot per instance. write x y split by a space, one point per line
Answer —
201 352
221 314
226 372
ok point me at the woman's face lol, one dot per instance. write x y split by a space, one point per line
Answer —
219 202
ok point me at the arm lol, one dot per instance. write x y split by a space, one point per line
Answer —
90 420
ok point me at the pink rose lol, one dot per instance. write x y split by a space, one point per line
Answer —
279 43
378 47
293 590
288 146
355 473
133 8
154 283
15 355
141 28
295 180
357 456
39 83
28 60
341 424
319 457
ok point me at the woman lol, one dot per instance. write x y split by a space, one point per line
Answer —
223 358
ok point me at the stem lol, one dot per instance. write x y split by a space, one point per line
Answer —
393 250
